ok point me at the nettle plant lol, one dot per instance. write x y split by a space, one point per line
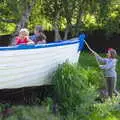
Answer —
74 85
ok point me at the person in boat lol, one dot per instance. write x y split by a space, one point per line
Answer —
23 37
109 67
39 37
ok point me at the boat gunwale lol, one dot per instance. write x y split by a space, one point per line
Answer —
51 44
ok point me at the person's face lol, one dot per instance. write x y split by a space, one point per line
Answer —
36 32
108 54
22 34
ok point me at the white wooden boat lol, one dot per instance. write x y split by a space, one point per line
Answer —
32 65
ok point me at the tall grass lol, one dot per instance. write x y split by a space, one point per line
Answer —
29 113
75 85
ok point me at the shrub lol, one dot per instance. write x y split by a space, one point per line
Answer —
73 85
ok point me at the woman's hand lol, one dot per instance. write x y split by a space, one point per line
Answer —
101 66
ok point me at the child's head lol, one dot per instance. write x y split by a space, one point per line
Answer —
38 29
23 32
112 53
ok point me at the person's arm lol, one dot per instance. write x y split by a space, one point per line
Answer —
42 39
17 41
29 41
109 65
99 58
41 42
33 37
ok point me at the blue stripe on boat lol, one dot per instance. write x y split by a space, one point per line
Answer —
53 44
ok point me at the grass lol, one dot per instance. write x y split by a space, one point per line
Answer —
29 113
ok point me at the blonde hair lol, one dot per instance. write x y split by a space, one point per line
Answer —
25 31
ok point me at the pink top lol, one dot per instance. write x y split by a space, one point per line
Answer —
21 41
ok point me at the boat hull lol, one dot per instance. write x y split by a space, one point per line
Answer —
26 67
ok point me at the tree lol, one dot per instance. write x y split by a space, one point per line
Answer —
24 16
70 16
112 24
69 11
17 12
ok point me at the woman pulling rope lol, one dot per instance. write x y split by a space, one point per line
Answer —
109 68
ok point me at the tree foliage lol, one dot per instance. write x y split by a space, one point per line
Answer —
12 11
69 15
